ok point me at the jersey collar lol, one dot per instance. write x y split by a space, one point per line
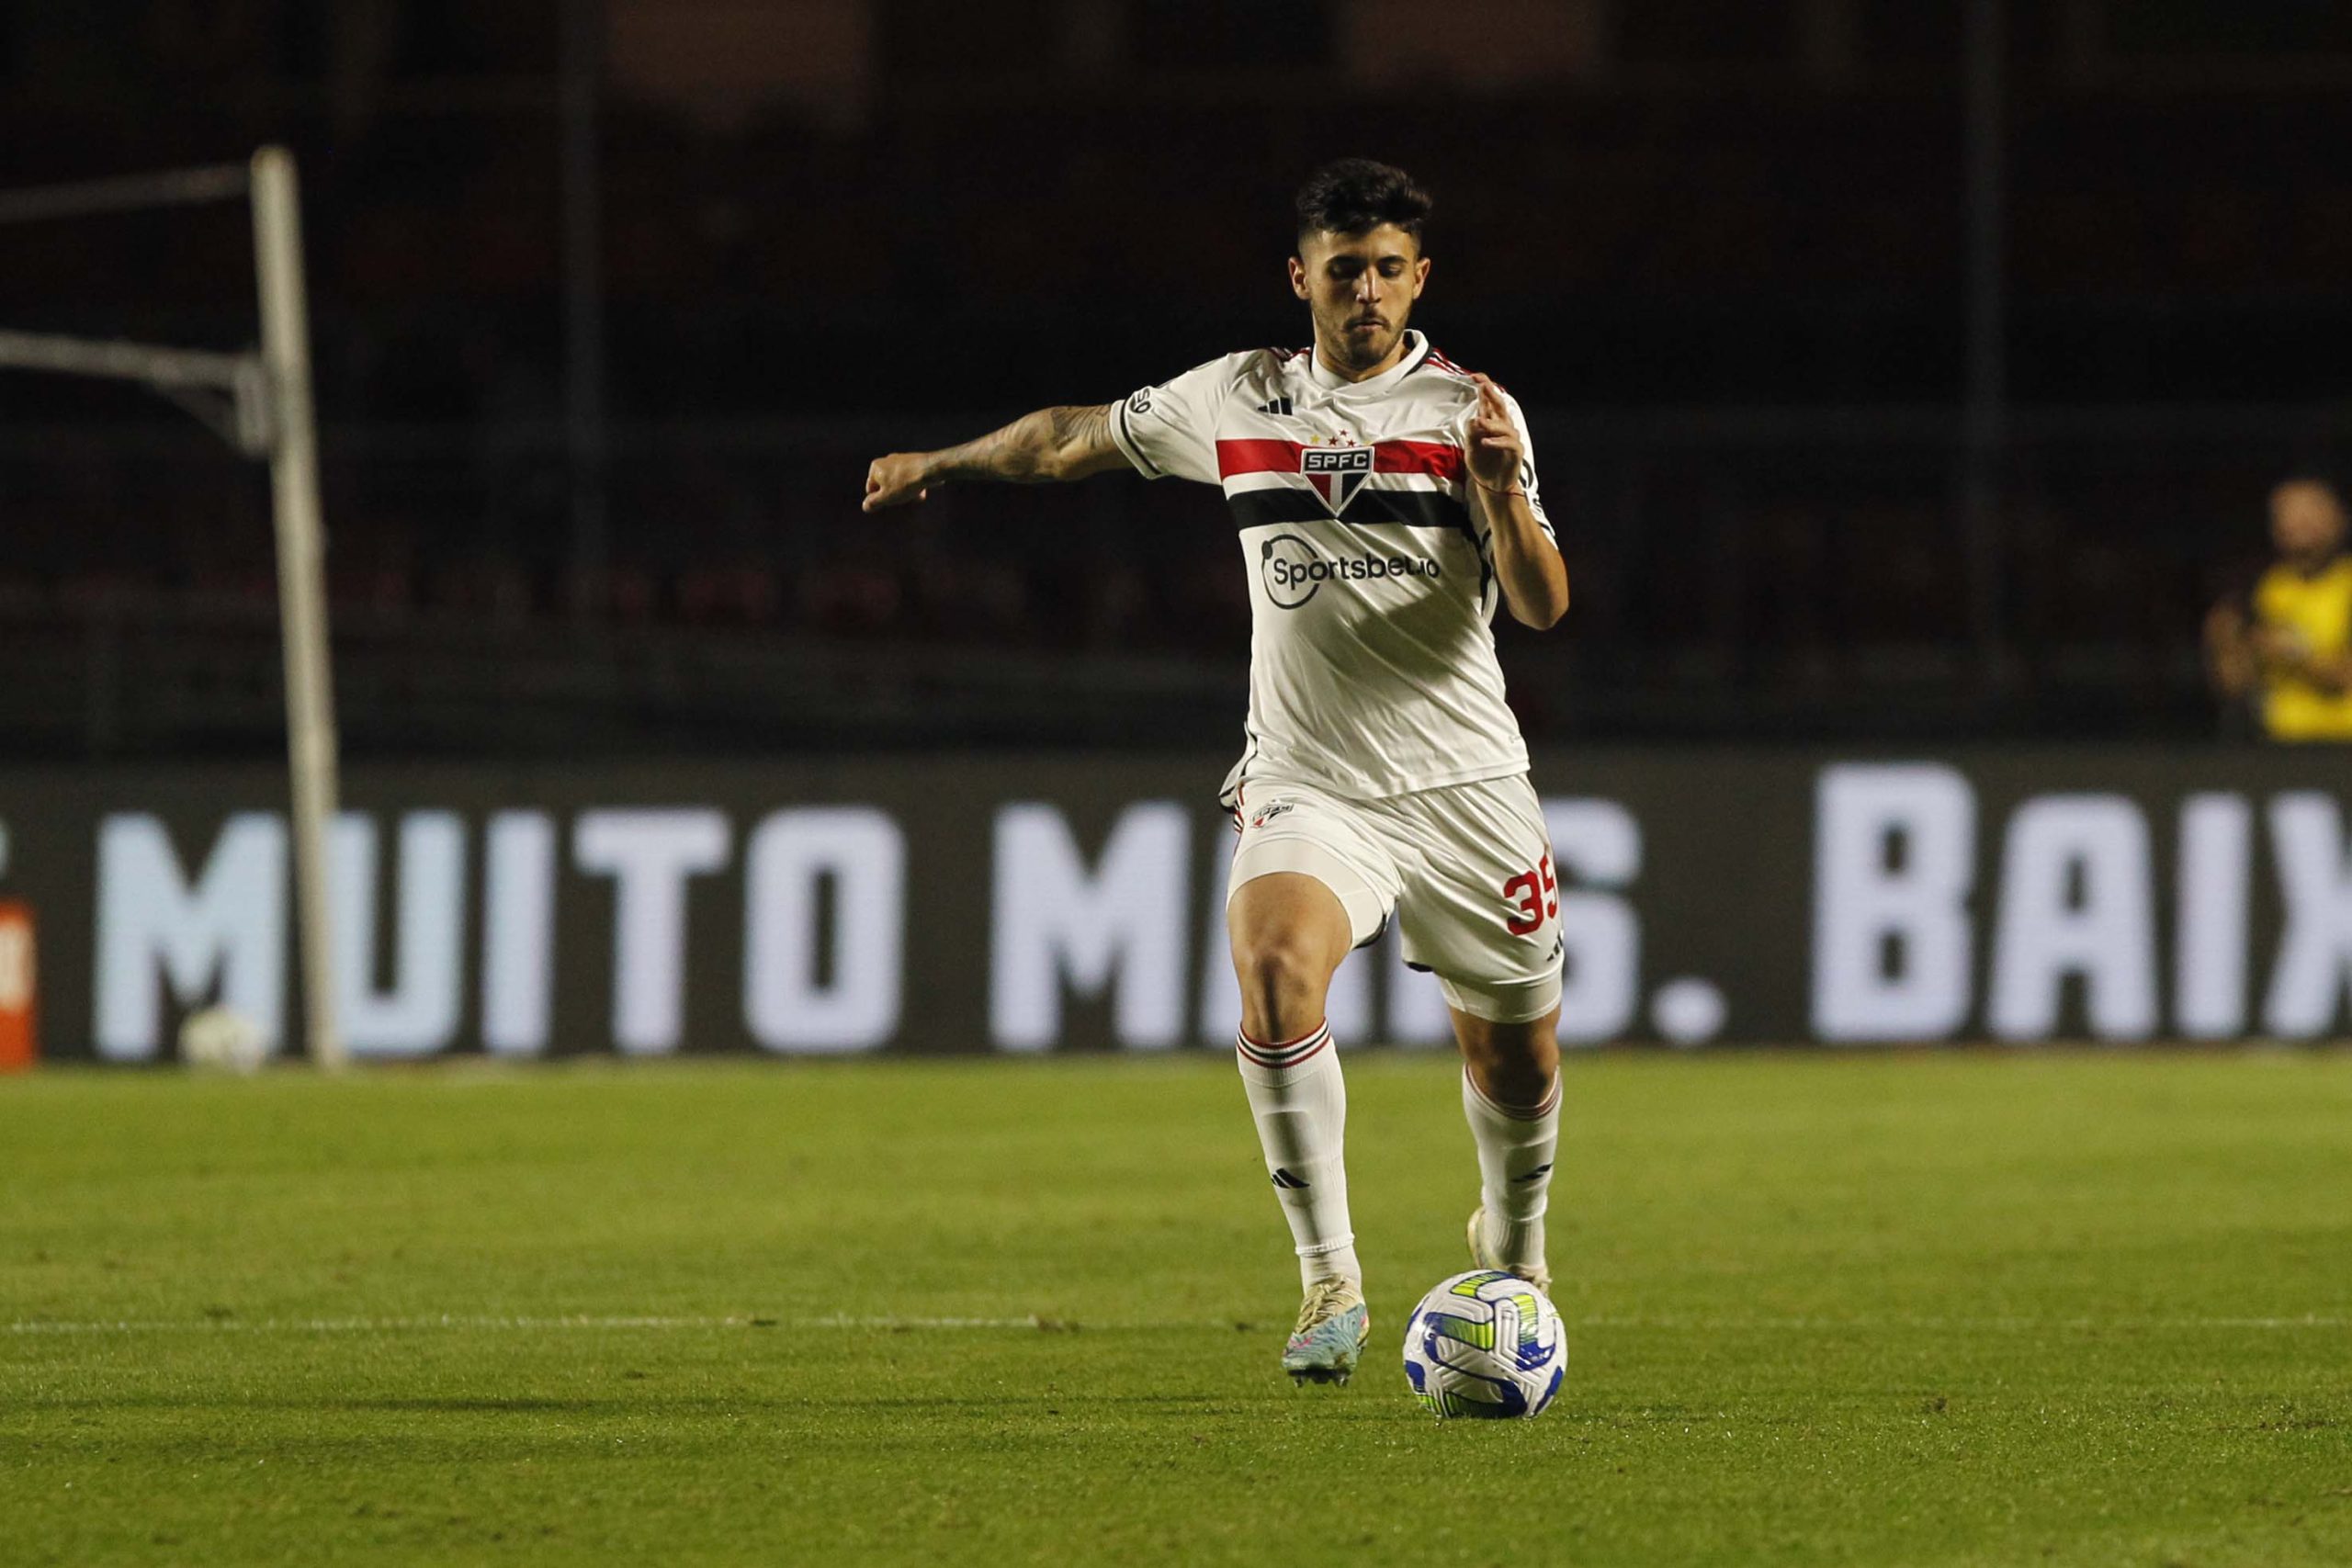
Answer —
1417 348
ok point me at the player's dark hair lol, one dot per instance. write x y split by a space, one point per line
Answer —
1355 196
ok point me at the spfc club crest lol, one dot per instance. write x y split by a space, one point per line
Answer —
1336 472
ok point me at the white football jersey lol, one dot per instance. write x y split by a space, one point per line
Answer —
1371 580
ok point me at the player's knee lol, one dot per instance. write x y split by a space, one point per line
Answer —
1512 1077
1513 1064
1282 987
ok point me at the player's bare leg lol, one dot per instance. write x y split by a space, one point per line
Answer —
1289 932
1510 1096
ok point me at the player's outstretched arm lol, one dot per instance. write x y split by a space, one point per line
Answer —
1534 579
1037 448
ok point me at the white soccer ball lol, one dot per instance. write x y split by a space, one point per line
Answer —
1484 1344
221 1039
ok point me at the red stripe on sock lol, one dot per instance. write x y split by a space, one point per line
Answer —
1300 1050
1243 1035
1280 1058
1286 1063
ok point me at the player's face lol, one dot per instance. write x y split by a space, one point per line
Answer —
1361 288
2306 523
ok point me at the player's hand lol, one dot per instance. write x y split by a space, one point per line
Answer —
895 481
2276 641
1496 450
2282 645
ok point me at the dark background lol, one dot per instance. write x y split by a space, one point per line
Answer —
1898 369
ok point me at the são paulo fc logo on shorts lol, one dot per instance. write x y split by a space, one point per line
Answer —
1294 571
1336 472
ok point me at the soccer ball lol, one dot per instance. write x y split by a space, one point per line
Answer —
221 1039
1484 1344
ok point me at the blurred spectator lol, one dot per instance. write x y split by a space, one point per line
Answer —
2288 645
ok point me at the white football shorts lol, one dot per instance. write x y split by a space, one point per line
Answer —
1465 871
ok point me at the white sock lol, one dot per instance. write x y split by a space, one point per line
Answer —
1515 1151
1301 1106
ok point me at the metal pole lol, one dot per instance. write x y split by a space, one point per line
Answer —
1984 421
583 298
122 361
301 581
126 193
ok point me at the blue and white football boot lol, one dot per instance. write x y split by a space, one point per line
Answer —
1333 1326
1485 1255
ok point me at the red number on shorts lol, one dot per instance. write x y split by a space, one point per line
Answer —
1535 897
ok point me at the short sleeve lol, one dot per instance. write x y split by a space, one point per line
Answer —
1172 428
1527 481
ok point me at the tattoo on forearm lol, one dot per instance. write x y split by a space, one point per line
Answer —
1080 430
1033 449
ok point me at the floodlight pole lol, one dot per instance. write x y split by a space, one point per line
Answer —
261 404
301 581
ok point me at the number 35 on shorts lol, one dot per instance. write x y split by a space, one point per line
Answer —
1531 898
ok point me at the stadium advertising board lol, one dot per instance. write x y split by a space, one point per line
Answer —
1059 902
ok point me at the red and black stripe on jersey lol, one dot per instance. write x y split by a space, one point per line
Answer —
1438 459
1436 360
1368 506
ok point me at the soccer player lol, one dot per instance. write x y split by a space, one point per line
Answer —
1385 501
2294 651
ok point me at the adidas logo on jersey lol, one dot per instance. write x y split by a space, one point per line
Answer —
1278 406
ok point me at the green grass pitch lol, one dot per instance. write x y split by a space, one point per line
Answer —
1975 1308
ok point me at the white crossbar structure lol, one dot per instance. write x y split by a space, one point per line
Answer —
260 402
